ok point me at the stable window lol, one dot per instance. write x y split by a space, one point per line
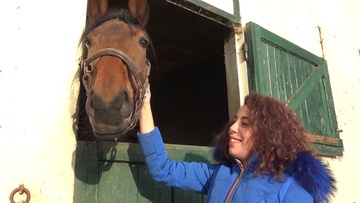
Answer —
282 70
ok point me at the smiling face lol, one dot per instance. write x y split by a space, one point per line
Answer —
240 134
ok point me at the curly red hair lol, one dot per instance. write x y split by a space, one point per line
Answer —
277 132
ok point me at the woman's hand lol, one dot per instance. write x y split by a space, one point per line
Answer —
147 95
146 119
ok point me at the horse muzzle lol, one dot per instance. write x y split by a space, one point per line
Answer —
110 120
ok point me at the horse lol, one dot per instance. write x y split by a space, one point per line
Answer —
115 71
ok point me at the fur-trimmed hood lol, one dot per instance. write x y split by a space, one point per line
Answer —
313 175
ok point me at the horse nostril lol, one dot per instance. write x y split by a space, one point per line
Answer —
127 104
113 110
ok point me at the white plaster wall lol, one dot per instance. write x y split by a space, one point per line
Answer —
298 22
38 60
225 5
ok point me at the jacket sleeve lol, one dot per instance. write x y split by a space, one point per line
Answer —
188 176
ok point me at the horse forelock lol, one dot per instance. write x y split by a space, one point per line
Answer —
118 13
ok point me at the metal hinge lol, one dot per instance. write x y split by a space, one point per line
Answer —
246 51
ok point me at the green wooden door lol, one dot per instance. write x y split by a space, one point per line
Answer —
281 69
113 172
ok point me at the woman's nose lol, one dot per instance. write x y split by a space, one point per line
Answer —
233 128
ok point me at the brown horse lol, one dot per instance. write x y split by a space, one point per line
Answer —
115 69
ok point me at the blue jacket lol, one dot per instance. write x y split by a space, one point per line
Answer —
313 182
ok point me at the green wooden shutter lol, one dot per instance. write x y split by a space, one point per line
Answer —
282 70
112 172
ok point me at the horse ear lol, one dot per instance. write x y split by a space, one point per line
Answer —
96 8
139 9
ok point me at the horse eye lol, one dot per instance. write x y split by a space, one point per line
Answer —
87 43
143 42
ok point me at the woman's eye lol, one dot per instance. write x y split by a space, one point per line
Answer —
143 42
234 119
244 124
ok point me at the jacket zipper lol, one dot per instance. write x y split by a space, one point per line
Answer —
232 189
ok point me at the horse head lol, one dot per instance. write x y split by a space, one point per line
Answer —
115 69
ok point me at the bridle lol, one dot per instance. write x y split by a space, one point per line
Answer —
141 87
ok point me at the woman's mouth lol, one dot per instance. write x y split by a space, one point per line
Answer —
235 140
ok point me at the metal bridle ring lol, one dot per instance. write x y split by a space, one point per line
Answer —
21 190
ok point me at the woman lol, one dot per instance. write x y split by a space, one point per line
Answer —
263 156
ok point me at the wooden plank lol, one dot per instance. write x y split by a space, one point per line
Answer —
253 40
328 151
165 193
305 88
263 70
86 172
302 75
325 108
147 187
330 103
289 47
326 146
320 139
280 76
292 75
121 151
118 183
131 152
299 80
287 75
181 196
189 153
316 114
232 76
271 71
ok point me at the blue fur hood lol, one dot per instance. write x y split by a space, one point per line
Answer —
313 175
